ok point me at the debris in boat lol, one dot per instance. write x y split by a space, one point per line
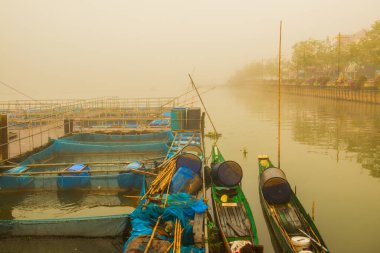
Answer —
213 135
245 152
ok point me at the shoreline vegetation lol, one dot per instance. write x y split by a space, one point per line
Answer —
344 61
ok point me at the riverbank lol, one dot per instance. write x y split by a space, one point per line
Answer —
340 93
364 95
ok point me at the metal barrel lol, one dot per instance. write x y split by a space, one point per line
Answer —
189 161
228 173
275 187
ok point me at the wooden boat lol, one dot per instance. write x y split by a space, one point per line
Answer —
293 228
232 212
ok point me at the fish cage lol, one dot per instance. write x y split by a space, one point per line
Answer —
28 125
94 173
77 168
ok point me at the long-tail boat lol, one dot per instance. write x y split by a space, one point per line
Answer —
232 212
292 226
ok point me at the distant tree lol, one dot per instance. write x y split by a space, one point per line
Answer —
312 58
368 49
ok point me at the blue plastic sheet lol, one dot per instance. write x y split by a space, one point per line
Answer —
15 181
77 180
185 180
130 180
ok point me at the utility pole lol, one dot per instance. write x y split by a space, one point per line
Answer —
304 62
340 37
339 40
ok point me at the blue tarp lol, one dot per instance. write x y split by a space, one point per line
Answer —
181 206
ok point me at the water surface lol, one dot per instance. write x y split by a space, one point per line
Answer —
330 150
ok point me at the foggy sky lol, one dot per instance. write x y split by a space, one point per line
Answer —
88 48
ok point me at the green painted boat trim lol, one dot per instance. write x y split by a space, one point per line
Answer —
217 157
276 227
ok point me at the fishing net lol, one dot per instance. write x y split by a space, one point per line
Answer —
62 148
104 153
106 182
61 244
83 226
164 136
98 226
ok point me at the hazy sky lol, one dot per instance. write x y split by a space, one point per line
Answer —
87 48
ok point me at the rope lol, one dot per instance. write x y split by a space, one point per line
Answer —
14 89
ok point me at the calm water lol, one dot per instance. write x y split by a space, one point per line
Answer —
330 151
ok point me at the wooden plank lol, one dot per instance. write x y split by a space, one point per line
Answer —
239 220
243 216
246 221
231 217
228 204
240 227
237 230
3 137
198 227
222 219
228 219
241 213
231 233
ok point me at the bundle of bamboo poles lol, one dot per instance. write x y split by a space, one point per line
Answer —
177 237
174 240
161 183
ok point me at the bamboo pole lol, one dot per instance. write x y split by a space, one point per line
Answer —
279 101
76 172
152 235
316 242
67 164
204 107
172 244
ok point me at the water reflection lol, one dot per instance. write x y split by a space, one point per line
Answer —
65 204
351 129
61 245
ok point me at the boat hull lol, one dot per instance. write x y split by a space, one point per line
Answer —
288 220
232 213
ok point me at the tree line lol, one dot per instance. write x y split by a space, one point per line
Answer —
341 61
